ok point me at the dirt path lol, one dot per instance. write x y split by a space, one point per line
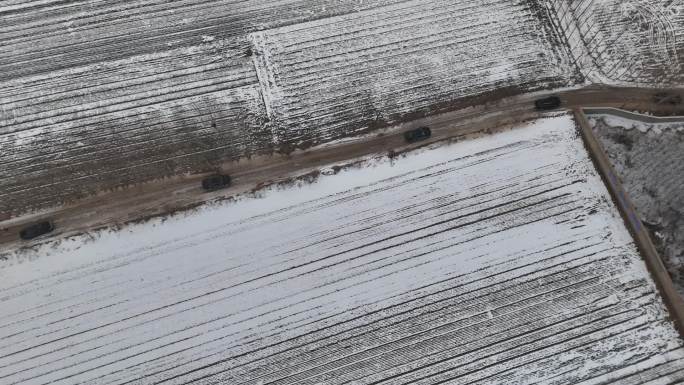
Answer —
180 193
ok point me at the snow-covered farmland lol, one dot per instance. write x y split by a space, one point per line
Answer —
625 41
96 95
337 76
649 158
118 123
498 260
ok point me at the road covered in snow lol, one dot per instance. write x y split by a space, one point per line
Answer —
496 260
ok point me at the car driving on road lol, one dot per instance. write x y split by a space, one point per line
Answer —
417 134
550 103
35 230
666 98
216 182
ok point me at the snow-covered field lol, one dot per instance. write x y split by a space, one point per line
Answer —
96 95
337 76
632 42
497 260
649 158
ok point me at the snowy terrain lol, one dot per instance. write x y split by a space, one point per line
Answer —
498 260
649 158
629 42
337 76
96 95
655 127
99 95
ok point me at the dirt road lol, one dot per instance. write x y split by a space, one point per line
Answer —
182 193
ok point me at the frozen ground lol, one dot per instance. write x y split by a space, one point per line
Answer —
98 95
650 161
499 260
337 76
634 42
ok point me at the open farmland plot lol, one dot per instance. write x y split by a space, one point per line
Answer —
125 121
337 76
44 36
96 95
649 158
625 41
499 260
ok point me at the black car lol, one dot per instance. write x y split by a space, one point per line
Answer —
550 103
215 182
665 98
36 230
417 134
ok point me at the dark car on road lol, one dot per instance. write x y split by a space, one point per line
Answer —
550 103
215 182
417 134
665 98
35 230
